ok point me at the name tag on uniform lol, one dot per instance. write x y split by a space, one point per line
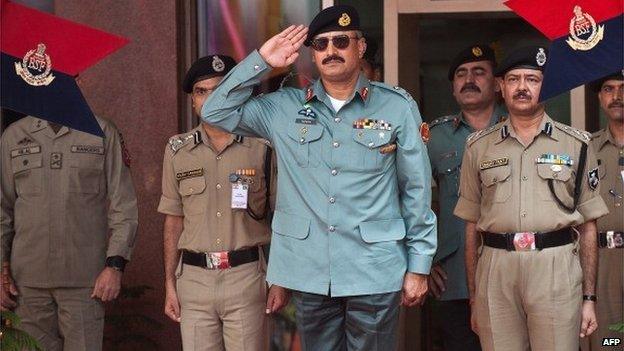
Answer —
190 174
240 194
26 151
87 149
503 161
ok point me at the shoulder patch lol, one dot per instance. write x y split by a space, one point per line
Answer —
481 133
576 133
441 120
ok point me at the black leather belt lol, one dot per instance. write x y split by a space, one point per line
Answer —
528 241
220 260
611 240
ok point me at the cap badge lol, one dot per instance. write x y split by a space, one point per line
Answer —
477 52
217 64
540 58
344 20
35 67
584 34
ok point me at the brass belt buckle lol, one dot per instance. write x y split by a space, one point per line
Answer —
524 241
217 260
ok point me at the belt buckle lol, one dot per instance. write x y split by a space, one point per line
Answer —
217 260
615 240
524 241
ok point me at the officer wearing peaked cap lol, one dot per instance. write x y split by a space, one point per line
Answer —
475 89
217 192
528 186
609 146
353 233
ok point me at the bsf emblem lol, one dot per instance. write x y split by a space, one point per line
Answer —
344 20
540 58
584 34
35 67
477 52
217 64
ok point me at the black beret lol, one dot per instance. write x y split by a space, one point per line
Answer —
533 57
339 17
207 67
597 84
473 53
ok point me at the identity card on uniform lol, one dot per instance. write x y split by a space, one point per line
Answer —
239 195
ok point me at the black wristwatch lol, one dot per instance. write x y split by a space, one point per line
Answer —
589 298
117 263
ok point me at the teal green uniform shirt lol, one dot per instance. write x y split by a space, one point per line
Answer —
349 219
446 150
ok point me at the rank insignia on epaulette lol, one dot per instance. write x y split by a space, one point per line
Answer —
592 179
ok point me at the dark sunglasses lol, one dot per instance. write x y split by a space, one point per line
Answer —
339 42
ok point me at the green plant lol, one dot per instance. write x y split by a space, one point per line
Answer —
127 328
11 337
618 327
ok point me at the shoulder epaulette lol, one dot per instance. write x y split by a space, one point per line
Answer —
481 133
396 89
441 120
597 134
577 133
179 141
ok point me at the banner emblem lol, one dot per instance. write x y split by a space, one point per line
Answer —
584 34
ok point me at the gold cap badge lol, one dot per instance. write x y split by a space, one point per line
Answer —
476 51
344 20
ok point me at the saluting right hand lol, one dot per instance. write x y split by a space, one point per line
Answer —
282 49
8 291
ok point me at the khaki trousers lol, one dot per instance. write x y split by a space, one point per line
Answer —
62 318
223 309
610 294
529 300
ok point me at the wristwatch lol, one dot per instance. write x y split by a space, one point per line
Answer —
589 298
117 263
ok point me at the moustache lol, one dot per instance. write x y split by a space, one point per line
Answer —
616 104
470 87
332 58
521 95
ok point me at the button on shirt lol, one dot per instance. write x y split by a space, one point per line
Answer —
492 195
196 184
56 190
379 223
446 149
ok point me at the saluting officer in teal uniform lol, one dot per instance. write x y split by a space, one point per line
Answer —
474 87
353 232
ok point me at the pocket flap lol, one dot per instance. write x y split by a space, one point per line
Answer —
192 186
495 175
383 230
22 163
290 225
556 172
304 133
371 138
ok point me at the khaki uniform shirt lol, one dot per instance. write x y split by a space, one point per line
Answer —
504 185
610 166
196 185
56 216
